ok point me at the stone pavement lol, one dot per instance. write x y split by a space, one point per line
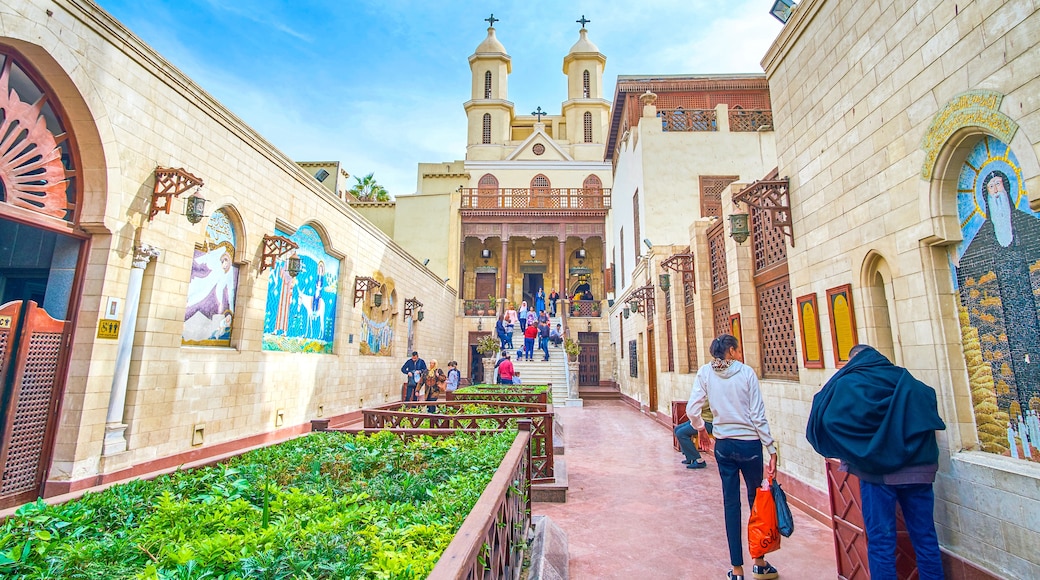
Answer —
634 511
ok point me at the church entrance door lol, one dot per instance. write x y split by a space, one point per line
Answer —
532 282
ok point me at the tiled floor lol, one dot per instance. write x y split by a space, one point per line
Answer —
635 512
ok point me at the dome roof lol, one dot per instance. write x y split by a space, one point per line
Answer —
583 44
491 44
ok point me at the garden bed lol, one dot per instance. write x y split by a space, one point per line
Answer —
327 505
517 393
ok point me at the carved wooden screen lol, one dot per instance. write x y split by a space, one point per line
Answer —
40 158
31 353
588 360
712 187
690 306
635 222
484 286
633 359
487 191
719 279
776 328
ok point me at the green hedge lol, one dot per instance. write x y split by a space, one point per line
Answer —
336 506
504 389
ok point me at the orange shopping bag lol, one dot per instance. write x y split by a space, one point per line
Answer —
762 529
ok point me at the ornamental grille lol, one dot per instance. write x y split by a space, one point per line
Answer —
712 187
777 331
633 361
691 337
717 254
31 413
720 316
485 137
768 244
588 127
487 85
668 330
753 99
692 120
750 121
586 85
689 288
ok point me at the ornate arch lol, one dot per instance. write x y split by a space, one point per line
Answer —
973 109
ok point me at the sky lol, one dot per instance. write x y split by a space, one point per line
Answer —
378 85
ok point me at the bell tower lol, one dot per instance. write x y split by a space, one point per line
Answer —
488 111
586 112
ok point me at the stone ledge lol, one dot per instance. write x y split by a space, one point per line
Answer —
549 553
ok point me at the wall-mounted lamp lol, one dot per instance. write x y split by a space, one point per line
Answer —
426 262
195 207
738 227
275 247
480 324
625 313
420 315
782 10
664 281
588 327
321 175
411 305
485 253
377 299
170 183
534 254
633 306
649 245
580 254
362 284
294 265
446 280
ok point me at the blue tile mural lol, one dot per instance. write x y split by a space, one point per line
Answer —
997 275
210 314
301 311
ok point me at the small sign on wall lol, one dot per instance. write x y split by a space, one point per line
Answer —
5 322
112 309
108 329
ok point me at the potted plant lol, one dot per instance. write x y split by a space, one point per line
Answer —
470 307
492 304
488 346
595 308
572 348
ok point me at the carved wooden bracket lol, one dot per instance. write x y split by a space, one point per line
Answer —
170 183
645 297
770 195
410 304
682 264
275 247
363 284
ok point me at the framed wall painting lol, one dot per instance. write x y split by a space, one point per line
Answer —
735 330
809 323
843 323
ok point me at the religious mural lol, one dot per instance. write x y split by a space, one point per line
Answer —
212 287
377 321
301 311
997 275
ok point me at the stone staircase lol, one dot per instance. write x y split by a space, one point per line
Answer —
539 372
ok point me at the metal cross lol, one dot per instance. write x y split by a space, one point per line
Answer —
492 20
538 114
583 21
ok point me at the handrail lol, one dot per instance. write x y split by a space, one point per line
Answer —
490 542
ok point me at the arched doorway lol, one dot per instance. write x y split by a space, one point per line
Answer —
42 252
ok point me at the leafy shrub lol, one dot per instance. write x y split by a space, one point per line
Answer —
328 505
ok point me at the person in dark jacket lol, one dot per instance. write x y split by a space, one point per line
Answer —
880 422
413 368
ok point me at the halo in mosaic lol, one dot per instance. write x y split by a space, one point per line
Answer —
977 109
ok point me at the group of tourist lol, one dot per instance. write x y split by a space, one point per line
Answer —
534 326
428 382
872 415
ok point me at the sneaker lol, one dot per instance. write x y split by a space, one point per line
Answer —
730 576
767 572
700 465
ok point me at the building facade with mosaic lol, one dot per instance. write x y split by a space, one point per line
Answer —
173 287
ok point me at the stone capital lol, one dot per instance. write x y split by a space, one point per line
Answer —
144 254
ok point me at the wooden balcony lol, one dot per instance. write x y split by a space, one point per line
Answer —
535 199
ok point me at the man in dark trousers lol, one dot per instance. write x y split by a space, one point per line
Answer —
413 368
880 422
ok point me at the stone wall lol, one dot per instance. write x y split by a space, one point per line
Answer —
861 95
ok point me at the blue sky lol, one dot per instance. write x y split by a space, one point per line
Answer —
379 85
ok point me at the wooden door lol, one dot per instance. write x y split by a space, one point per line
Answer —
651 368
484 286
32 354
850 538
588 360
476 360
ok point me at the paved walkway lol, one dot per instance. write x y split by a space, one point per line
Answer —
634 511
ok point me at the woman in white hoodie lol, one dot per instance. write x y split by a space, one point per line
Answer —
741 430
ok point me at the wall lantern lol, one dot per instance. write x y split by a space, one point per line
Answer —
420 315
480 324
664 281
275 247
589 326
633 306
625 312
782 10
580 254
738 227
171 183
195 207
377 299
294 265
485 253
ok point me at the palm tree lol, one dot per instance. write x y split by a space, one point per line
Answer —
366 189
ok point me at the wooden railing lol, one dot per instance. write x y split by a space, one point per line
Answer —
491 541
750 120
451 415
585 308
688 120
516 396
535 198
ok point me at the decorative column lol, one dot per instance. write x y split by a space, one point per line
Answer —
563 265
462 268
115 429
502 269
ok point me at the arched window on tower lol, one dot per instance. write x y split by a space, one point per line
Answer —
540 188
486 134
586 90
588 127
487 85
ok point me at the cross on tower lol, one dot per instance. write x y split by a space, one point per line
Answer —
583 21
538 114
492 20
